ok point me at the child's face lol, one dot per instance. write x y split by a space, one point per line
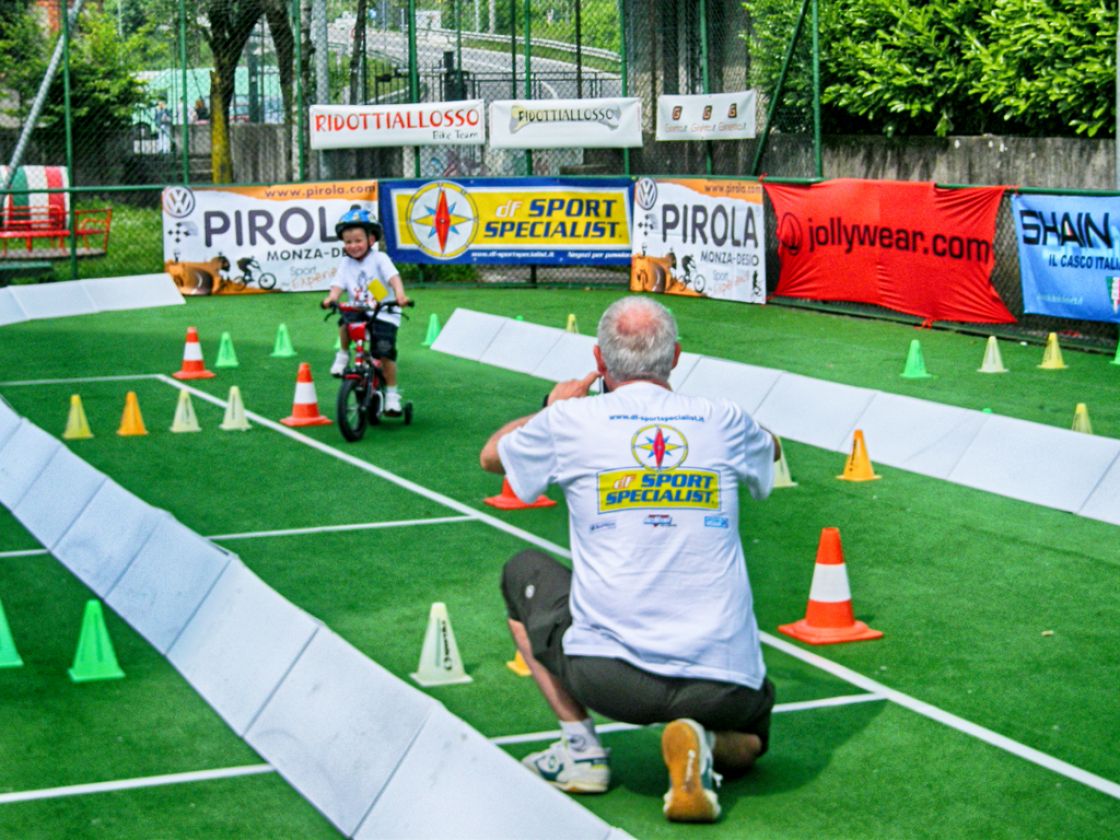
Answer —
355 242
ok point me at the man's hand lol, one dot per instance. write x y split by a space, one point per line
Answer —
572 388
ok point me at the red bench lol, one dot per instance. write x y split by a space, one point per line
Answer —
45 231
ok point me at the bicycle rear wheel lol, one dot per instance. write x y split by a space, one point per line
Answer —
351 409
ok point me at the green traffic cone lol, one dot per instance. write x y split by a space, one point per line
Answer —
94 658
433 330
915 363
9 656
283 348
337 343
227 356
1116 360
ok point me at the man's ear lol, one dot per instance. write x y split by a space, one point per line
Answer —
676 353
600 365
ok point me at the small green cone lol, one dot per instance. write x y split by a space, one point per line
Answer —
337 344
915 363
433 330
9 656
519 318
283 348
227 356
1116 360
94 658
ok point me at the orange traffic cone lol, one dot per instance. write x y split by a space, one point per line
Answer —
828 618
508 500
193 368
858 466
305 406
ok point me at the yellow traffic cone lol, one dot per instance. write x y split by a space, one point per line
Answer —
132 422
185 419
1052 356
518 666
77 427
235 420
440 662
993 362
572 326
1081 421
858 466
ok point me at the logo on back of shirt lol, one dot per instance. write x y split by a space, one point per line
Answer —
660 450
659 447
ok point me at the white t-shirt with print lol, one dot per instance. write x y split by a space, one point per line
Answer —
354 277
651 479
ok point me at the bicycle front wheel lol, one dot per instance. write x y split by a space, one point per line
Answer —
267 281
351 411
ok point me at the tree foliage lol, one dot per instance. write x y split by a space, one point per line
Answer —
913 67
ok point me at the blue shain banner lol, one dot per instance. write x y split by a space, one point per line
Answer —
1069 255
528 221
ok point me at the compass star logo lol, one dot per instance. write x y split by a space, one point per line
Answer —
659 447
443 219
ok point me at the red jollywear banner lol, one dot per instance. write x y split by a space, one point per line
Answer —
912 247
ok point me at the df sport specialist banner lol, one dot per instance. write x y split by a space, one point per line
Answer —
539 221
229 240
699 237
1069 255
911 247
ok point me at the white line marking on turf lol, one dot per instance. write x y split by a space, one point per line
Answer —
960 724
803 706
327 529
131 784
30 552
393 478
256 769
948 718
78 380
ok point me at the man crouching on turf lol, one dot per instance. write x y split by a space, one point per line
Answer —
367 276
654 623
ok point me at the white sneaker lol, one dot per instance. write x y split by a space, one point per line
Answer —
341 360
687 750
561 769
392 403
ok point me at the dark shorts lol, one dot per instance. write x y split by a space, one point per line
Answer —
382 335
536 590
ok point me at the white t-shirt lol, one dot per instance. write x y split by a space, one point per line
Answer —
355 276
651 479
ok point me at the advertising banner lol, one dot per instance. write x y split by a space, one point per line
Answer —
233 240
908 246
699 237
565 123
713 116
1069 255
420 124
538 221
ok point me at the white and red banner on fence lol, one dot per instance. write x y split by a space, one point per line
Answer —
711 116
420 124
912 247
565 123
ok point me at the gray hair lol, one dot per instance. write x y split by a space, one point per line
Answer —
638 339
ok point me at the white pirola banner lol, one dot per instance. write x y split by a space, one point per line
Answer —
565 123
419 124
712 116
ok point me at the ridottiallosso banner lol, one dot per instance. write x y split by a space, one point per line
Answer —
420 124
912 247
565 123
1069 255
537 221
699 237
227 240
713 116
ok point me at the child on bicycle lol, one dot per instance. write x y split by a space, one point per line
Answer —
368 276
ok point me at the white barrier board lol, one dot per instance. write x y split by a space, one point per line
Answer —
10 310
813 411
917 435
137 291
745 385
520 346
25 453
53 300
467 334
57 497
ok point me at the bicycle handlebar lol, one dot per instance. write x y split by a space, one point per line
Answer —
336 307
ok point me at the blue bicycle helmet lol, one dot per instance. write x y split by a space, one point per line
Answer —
358 217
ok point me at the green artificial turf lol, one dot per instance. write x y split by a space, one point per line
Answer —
995 610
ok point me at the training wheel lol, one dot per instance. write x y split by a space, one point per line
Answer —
408 413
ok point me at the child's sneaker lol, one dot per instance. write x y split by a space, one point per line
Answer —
688 755
392 403
341 360
561 769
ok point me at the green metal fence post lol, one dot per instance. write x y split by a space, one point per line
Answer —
528 76
624 55
413 77
777 97
817 89
64 13
705 79
184 135
301 106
